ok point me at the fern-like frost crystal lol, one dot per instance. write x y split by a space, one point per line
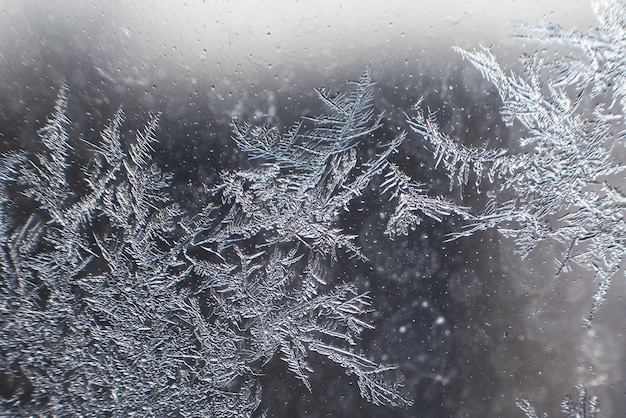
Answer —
561 178
116 300
585 407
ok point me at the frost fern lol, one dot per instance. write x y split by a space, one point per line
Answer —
559 182
116 301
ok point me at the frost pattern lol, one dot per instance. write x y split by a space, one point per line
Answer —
585 407
114 299
603 68
559 183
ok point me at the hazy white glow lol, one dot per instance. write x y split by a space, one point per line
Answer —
209 35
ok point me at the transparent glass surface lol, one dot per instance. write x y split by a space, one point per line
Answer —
471 325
